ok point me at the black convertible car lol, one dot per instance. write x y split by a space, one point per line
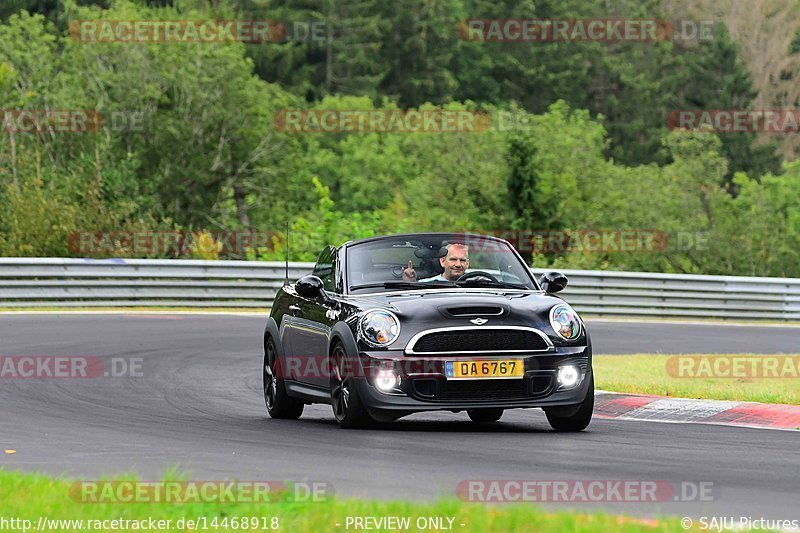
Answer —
389 326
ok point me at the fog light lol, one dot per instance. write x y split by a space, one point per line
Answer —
568 376
386 380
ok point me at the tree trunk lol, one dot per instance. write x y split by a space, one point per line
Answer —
240 196
329 50
13 144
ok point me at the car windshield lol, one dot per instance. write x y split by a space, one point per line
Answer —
437 261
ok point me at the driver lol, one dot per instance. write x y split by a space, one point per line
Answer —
455 264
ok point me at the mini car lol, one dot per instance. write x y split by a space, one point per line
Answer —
393 325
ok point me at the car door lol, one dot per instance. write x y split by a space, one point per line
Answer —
312 324
286 312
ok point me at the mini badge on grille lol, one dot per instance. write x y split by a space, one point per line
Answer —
479 321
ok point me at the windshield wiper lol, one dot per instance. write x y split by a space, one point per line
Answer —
404 285
490 283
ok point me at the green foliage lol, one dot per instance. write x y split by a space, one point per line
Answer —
760 230
586 148
553 167
716 78
311 232
35 221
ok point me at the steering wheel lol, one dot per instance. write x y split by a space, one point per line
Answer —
397 271
477 274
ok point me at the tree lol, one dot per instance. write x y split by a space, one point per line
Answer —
716 78
345 60
553 166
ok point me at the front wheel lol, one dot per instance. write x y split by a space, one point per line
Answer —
569 419
279 403
347 407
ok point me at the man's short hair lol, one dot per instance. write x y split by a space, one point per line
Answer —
461 244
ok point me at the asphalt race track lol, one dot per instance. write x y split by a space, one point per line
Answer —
198 405
621 337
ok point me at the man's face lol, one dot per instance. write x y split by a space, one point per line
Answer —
456 262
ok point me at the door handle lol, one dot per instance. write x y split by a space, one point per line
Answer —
294 307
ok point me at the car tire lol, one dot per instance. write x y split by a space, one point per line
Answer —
485 415
279 403
348 409
570 419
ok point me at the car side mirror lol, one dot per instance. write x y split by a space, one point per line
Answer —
309 286
553 282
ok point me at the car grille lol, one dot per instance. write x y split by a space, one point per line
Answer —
484 390
479 340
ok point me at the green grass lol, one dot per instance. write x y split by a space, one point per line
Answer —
647 374
29 496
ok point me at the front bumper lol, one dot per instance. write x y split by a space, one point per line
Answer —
423 386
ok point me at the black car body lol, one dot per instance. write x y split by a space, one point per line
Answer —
354 334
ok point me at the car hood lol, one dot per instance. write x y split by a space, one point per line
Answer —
419 310
418 300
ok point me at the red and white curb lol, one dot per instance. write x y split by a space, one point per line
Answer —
729 413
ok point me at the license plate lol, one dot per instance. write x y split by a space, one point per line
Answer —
488 369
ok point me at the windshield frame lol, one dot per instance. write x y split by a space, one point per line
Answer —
345 262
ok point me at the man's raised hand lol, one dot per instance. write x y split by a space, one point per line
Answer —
409 274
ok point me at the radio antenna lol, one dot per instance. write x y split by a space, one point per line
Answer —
286 278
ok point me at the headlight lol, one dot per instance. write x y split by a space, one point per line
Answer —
565 322
379 327
568 376
386 380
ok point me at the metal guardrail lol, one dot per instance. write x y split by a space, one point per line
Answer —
682 295
45 282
